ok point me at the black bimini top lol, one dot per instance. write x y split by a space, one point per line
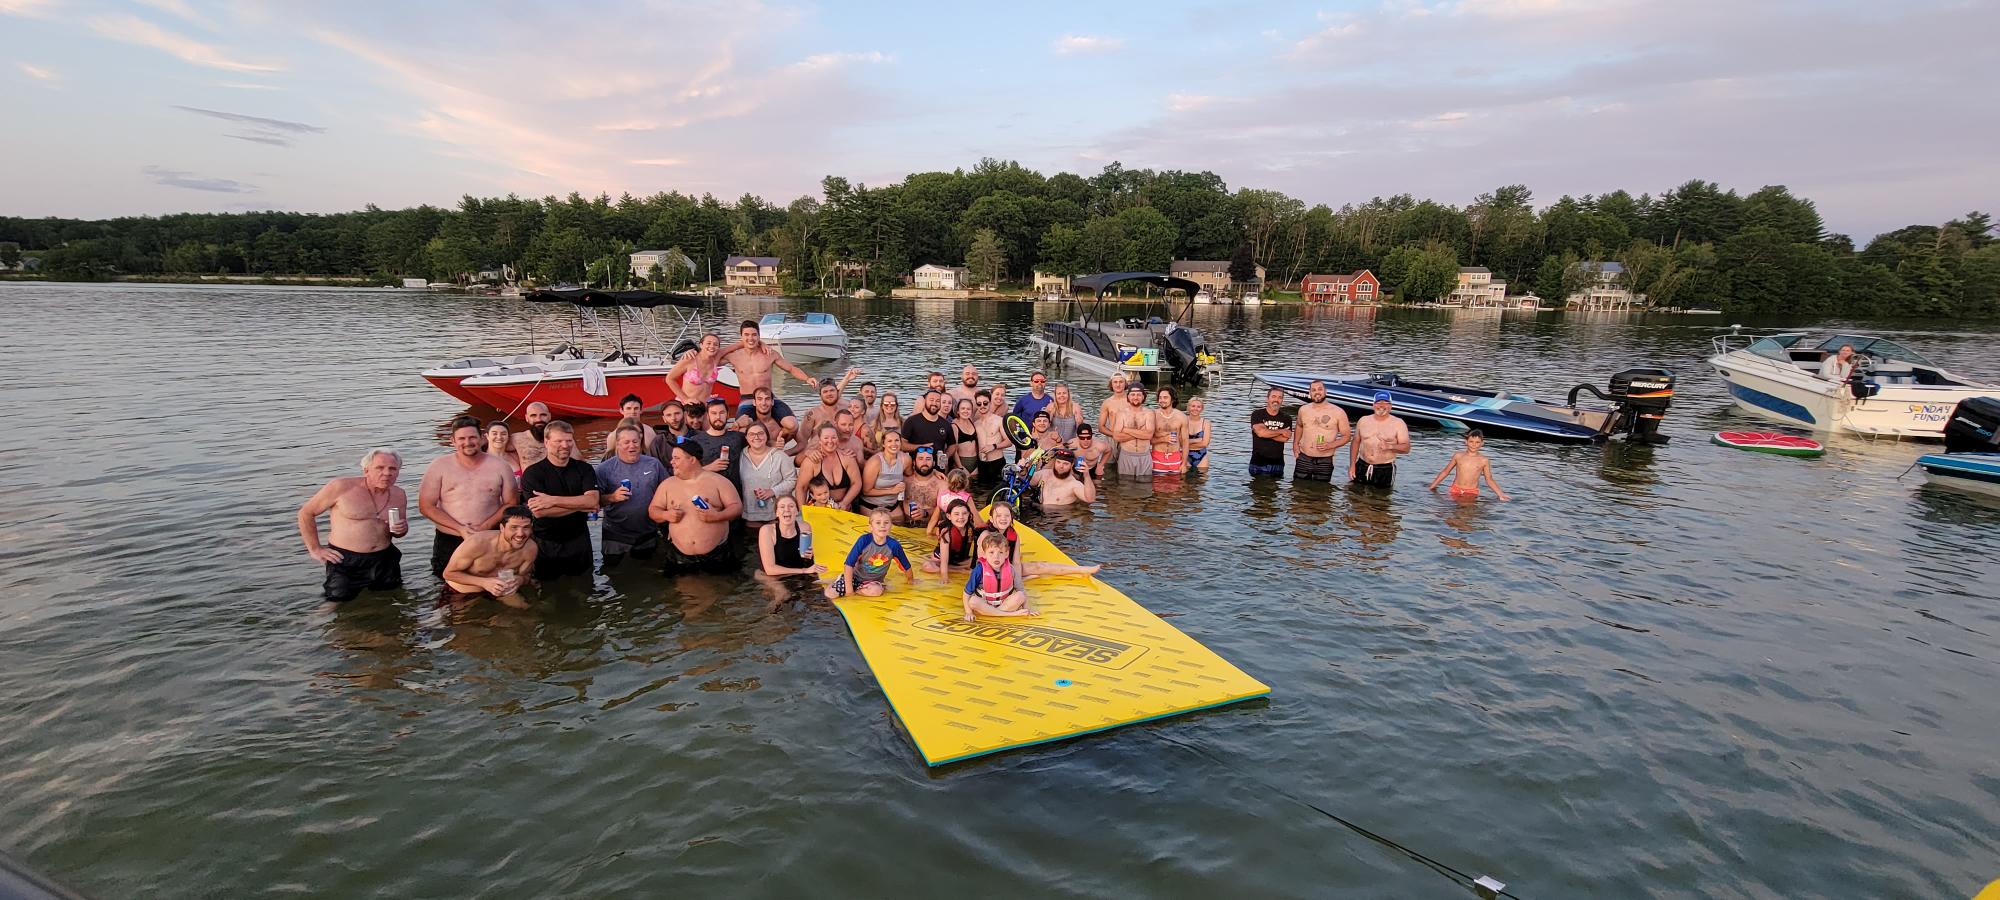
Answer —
1097 283
601 299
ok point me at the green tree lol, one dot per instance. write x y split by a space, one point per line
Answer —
986 256
1061 251
1243 265
1549 279
1431 274
10 254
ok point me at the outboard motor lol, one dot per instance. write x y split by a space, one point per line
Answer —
1642 397
1182 354
1974 426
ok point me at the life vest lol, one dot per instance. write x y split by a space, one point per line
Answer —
995 585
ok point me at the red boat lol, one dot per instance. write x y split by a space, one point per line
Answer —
513 388
447 375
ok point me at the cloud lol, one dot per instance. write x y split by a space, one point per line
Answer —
255 121
1189 102
193 182
180 9
263 137
29 9
658 162
1331 34
1083 44
134 30
246 86
829 60
37 72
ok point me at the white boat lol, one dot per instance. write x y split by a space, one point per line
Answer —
1204 297
1157 349
804 337
1250 298
1894 392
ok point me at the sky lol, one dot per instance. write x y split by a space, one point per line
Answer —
1881 113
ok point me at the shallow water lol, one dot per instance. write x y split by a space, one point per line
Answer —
1661 672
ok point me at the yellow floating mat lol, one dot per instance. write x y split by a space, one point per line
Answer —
1093 660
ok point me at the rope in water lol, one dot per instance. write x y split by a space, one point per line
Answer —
1470 881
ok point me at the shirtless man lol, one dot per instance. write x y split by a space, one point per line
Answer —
1321 429
866 393
992 440
846 421
360 510
528 444
921 486
1091 453
1105 411
968 385
1169 435
753 360
464 491
1133 426
934 382
495 563
779 423
630 409
1378 439
697 506
1063 483
821 414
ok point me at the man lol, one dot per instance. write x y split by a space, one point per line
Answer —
1133 427
626 483
1270 431
1322 431
1838 367
1378 440
921 487
928 428
495 563
1091 454
992 438
753 360
1169 435
764 409
562 493
1063 483
721 449
1109 408
820 415
630 409
934 382
697 505
968 385
463 491
673 430
528 444
1035 400
365 514
846 422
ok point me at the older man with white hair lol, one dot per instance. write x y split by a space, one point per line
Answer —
366 514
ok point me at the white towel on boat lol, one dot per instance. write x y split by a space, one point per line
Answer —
593 381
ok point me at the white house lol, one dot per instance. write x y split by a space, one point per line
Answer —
932 277
1046 284
1604 292
1476 288
644 261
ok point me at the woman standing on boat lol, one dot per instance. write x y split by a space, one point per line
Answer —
964 437
692 379
1064 415
500 443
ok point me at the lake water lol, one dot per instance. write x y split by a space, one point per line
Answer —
1682 671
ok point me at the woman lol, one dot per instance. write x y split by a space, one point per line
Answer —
1064 415
840 473
500 443
964 437
955 541
1197 435
692 378
767 474
882 478
785 543
887 418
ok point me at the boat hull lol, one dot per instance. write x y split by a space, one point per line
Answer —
1789 394
1975 472
1096 364
1495 415
565 396
453 385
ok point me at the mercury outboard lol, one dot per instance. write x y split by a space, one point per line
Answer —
1182 351
1642 397
1974 426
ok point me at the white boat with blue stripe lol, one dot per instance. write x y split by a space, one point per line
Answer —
1893 391
1977 472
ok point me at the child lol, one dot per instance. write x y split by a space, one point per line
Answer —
958 489
1001 523
955 542
992 589
867 568
819 492
1471 465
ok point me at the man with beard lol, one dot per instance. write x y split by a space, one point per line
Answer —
1378 439
1091 453
673 430
968 385
1063 483
820 415
1133 426
1322 430
697 505
721 449
753 359
1169 435
562 493
626 482
528 444
866 394
494 563
921 487
366 515
463 491
846 422
928 428
934 382
1270 430
764 407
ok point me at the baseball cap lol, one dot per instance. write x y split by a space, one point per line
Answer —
1383 397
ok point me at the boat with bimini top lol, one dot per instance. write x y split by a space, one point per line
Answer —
1158 348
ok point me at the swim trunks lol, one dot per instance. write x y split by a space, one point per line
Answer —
1312 468
779 410
617 548
557 558
378 571
723 558
1374 474
1459 492
840 585
1166 462
1135 465
1277 471
990 469
442 547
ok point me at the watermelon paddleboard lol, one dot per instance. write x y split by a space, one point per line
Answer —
1769 442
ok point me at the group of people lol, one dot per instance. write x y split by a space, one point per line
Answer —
1317 429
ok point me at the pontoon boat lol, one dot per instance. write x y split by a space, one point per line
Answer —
1154 349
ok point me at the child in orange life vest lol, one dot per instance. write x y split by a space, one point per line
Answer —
995 587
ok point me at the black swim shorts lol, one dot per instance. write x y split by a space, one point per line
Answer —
556 559
356 572
724 558
617 547
442 547
989 470
1374 474
1312 468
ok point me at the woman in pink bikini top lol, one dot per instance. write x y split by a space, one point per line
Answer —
693 378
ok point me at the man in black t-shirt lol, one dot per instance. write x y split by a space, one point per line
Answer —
721 448
1270 429
929 427
562 493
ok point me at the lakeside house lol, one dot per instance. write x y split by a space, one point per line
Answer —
1047 285
1605 290
1476 289
751 274
1213 275
643 262
1357 287
933 277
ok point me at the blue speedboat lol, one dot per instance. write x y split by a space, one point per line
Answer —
1638 399
1971 457
1978 472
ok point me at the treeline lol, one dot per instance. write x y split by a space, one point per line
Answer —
1697 245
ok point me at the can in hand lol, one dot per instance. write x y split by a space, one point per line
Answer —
395 518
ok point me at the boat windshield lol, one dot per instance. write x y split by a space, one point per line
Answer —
1776 347
819 318
776 318
1879 347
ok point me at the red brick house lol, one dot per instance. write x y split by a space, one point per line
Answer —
1357 287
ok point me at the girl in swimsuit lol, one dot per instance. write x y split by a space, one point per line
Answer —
692 379
964 437
1000 521
957 489
955 541
1197 432
500 443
